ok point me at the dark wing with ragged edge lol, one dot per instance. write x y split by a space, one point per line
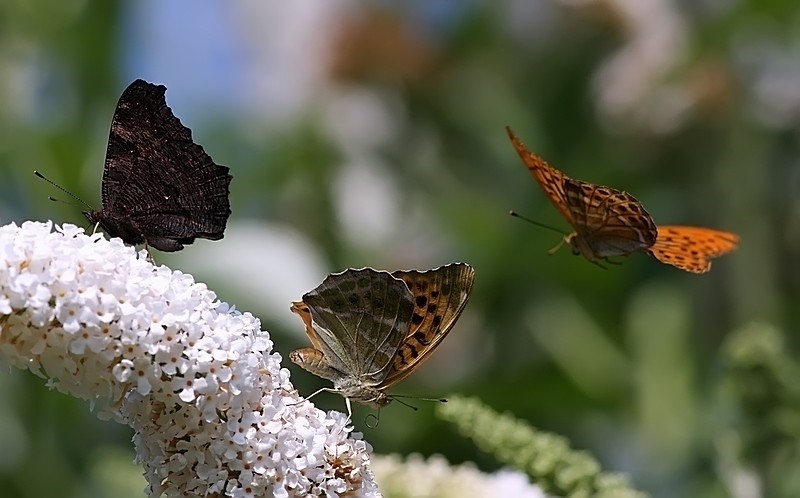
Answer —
157 177
550 179
691 248
360 318
440 296
609 217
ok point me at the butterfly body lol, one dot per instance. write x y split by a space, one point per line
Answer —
159 187
370 329
362 390
598 251
610 222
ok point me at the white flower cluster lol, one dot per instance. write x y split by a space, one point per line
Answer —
416 477
214 413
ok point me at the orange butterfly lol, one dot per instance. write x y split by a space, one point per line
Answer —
609 222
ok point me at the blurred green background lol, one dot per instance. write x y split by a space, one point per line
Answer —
372 134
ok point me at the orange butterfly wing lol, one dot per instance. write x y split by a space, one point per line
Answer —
612 222
691 248
550 179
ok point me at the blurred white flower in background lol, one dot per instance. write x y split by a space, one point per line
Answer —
269 264
287 44
434 477
213 411
770 70
635 86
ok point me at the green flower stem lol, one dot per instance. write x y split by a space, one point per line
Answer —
763 394
546 458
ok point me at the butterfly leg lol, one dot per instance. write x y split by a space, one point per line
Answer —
557 247
349 412
328 389
149 254
324 389
599 264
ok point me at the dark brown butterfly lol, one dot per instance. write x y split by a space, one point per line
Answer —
159 187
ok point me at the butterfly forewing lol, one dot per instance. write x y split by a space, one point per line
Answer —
301 309
550 179
440 296
612 221
159 187
360 318
692 248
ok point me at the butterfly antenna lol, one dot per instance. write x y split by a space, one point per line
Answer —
59 187
398 396
534 222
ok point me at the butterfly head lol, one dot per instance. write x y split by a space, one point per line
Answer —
372 398
115 226
356 390
98 218
579 245
94 216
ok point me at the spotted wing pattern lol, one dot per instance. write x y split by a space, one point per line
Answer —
608 222
440 296
613 222
358 319
370 329
550 179
159 186
691 248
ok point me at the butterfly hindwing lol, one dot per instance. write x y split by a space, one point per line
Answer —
691 248
360 318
